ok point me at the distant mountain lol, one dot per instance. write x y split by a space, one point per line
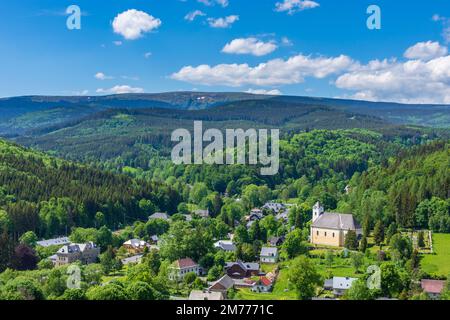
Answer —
19 115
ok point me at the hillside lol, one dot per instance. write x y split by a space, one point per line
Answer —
20 115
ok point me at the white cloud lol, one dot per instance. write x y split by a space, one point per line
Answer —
223 3
293 6
194 14
223 22
120 90
147 55
445 24
271 73
102 76
274 92
426 51
132 24
117 43
411 81
251 46
285 41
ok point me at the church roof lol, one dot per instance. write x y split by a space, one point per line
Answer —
340 221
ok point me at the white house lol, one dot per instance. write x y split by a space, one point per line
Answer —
225 245
269 255
181 267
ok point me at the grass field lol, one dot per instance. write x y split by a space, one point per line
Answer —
438 263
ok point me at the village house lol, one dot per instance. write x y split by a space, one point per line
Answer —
200 295
274 207
283 216
53 242
433 288
225 245
269 255
263 285
132 260
86 253
181 267
276 241
135 246
222 285
241 269
202 213
339 285
159 215
330 229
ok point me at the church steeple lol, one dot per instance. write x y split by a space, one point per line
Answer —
317 211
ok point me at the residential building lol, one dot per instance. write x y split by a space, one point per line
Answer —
433 288
202 213
135 246
205 295
330 229
339 285
269 255
264 284
181 267
86 253
132 260
53 242
241 269
159 215
274 207
225 245
222 285
276 241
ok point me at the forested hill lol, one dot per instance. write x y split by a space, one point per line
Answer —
412 189
49 196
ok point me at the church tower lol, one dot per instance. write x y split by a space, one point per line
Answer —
317 211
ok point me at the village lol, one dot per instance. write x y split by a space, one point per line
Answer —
334 243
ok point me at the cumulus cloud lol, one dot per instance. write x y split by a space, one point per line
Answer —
274 92
223 22
194 14
120 90
293 6
251 46
426 51
411 81
102 76
132 24
272 73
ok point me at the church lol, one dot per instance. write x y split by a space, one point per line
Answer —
330 229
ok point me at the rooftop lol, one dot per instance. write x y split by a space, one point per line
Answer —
269 251
432 286
340 221
185 263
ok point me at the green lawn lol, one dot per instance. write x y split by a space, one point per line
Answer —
438 263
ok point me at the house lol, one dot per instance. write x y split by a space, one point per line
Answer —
53 242
181 267
330 229
347 189
269 255
255 214
241 269
202 213
154 239
433 288
283 216
225 245
132 260
86 253
159 215
264 284
274 207
339 285
205 295
276 241
135 246
222 285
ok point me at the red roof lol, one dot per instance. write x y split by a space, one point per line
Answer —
186 263
433 286
265 281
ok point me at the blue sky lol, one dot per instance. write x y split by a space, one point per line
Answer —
322 49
